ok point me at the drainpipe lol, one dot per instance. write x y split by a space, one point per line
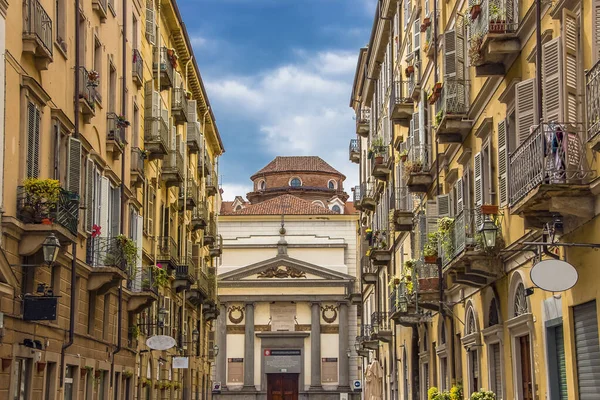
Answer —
538 56
155 250
69 343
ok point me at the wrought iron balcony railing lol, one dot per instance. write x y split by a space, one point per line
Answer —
109 252
164 57
191 191
143 283
403 200
87 88
167 250
364 116
380 321
137 161
37 23
461 236
31 209
496 16
419 157
354 151
401 92
194 137
156 130
454 98
554 154
179 105
137 67
173 162
592 93
114 129
353 146
364 334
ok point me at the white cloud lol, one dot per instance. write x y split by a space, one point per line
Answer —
198 41
230 190
299 108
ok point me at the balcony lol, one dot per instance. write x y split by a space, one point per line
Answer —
401 103
210 231
416 169
405 309
167 254
493 37
365 338
109 262
191 194
380 157
37 34
414 84
143 290
204 164
88 81
549 174
194 137
364 197
592 93
200 291
137 72
179 106
184 275
137 167
401 214
172 167
363 119
199 216
452 108
216 249
212 184
354 151
381 327
156 137
167 61
115 135
426 285
369 272
380 252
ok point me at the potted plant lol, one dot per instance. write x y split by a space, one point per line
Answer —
368 234
438 87
93 78
127 374
122 121
144 382
483 395
134 331
41 198
409 266
430 249
404 155
176 385
172 57
433 97
456 392
445 226
394 281
161 278
475 11
409 70
497 19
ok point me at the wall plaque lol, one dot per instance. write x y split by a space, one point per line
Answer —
284 360
329 370
283 317
235 370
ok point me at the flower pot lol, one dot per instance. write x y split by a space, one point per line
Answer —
403 158
369 236
431 259
488 209
497 26
408 278
396 281
378 160
432 98
46 221
409 70
475 11
423 28
438 88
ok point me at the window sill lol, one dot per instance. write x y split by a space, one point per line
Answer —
112 10
61 50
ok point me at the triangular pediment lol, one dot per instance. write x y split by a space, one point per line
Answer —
281 268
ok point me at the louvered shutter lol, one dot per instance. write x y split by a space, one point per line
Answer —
443 205
497 386
570 49
33 140
89 195
150 25
460 205
139 221
478 171
74 166
427 8
460 58
450 54
150 212
553 89
417 35
192 111
116 211
432 217
525 108
587 350
503 162
596 31
104 207
406 13
167 306
466 180
416 133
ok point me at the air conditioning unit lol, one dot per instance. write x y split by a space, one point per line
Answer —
357 385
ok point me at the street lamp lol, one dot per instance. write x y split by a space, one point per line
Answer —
403 304
215 350
162 313
349 352
195 335
488 230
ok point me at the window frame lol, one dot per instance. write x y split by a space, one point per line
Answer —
290 183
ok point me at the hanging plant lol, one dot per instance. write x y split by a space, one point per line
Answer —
122 121
172 57
93 78
144 382
134 331
127 374
161 277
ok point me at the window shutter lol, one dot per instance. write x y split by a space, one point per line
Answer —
525 108
427 8
116 211
406 13
478 170
74 165
460 205
460 53
139 221
450 66
570 48
432 218
416 134
104 210
33 141
150 212
192 112
443 206
596 31
167 306
150 26
89 195
553 90
466 179
417 35
503 162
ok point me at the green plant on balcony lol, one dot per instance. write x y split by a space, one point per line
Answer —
475 42
483 395
445 226
146 284
127 374
438 117
409 267
125 251
176 385
394 281
403 155
144 382
161 277
430 249
42 196
164 385
134 330
412 167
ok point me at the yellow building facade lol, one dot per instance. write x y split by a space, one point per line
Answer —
110 150
458 131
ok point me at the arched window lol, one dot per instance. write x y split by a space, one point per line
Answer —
520 301
336 209
493 318
295 182
319 203
238 208
331 184
443 332
262 185
471 325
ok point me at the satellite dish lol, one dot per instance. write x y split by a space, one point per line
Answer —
554 275
160 342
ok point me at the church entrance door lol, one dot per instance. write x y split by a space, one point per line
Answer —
282 386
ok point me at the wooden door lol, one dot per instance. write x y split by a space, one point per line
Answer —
282 387
526 379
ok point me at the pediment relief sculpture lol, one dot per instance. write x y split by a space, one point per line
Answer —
282 272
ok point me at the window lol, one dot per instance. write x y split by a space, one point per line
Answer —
331 185
135 131
106 316
295 182
262 185
92 313
50 385
336 209
60 23
520 301
33 140
493 314
82 41
134 25
21 379
112 91
89 385
69 377
98 64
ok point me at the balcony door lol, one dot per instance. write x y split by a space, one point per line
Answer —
526 378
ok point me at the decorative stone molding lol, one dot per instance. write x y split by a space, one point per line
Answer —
329 313
235 319
280 272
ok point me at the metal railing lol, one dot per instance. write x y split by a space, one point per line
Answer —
418 154
137 65
185 269
31 209
356 194
461 235
162 56
497 16
380 321
145 283
113 130
179 101
592 93
353 148
364 334
425 275
364 116
454 98
38 23
401 92
156 130
137 160
403 200
87 88
192 190
173 162
109 252
380 238
366 190
553 153
414 79
200 213
167 249
194 136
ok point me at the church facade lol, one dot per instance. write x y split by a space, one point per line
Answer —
287 287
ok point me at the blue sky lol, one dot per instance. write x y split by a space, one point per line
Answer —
278 75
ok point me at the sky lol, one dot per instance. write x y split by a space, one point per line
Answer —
278 74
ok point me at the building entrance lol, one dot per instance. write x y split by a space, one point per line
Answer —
282 386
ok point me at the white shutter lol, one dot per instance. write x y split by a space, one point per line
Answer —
432 218
89 195
416 134
150 22
116 211
406 13
596 31
460 56
450 66
553 90
167 306
192 111
459 196
502 163
525 108
150 212
33 140
139 221
466 179
443 205
417 35
478 171
104 206
570 48
74 166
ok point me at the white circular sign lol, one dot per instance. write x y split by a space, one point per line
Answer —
554 275
160 342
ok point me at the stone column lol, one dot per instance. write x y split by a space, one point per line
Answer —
315 347
249 348
344 364
222 343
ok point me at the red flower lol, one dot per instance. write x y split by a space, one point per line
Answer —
159 266
96 231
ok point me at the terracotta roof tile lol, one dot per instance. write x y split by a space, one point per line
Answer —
286 204
297 163
349 208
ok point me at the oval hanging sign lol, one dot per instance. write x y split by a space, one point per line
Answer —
554 275
160 342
